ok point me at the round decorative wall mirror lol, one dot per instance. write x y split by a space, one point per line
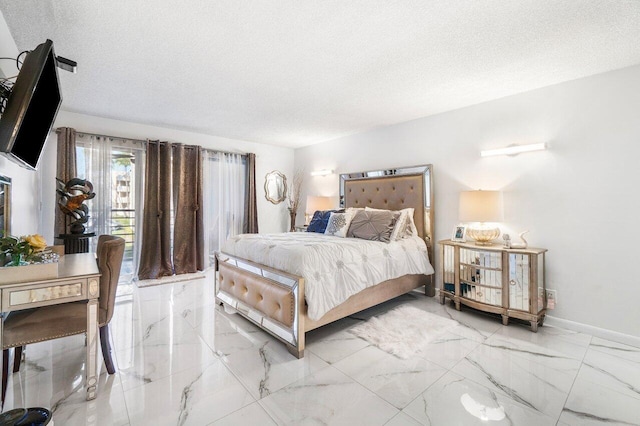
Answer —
275 187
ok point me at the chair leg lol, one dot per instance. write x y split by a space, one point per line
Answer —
106 349
17 358
5 373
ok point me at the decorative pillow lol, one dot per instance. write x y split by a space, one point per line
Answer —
338 224
319 221
404 226
411 226
373 225
354 210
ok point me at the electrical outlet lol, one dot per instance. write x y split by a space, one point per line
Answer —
552 299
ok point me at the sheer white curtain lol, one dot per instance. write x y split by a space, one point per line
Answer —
95 165
115 167
224 177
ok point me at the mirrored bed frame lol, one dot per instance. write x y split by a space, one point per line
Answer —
274 300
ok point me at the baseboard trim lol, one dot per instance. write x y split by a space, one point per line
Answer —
603 333
170 279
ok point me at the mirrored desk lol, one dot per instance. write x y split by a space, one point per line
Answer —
78 279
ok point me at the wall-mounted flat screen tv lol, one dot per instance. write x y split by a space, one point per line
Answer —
31 108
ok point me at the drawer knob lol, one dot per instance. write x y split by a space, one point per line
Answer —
512 282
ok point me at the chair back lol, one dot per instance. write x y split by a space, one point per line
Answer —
109 256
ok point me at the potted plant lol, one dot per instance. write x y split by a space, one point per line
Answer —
20 251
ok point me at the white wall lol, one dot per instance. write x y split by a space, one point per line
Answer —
271 218
25 207
26 196
580 199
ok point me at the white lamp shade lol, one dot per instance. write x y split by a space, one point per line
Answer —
481 206
315 203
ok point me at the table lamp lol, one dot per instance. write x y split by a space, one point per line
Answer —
315 203
483 209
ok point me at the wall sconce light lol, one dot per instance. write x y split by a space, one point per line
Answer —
514 149
323 172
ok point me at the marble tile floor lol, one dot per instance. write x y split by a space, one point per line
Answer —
182 360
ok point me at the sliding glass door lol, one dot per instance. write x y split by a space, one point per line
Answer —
115 167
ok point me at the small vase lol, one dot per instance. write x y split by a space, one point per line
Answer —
292 213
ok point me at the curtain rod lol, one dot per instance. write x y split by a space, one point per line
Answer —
103 136
145 140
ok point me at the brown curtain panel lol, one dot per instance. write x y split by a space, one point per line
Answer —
155 256
250 225
65 170
188 228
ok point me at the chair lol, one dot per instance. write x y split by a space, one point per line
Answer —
52 322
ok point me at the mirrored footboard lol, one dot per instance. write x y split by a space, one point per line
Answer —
272 299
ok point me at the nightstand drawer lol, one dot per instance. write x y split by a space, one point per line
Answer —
482 294
476 275
481 259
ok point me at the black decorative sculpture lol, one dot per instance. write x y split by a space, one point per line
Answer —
73 194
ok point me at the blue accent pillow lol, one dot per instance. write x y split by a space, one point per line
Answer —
319 221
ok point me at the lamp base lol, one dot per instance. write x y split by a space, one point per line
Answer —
483 235
483 243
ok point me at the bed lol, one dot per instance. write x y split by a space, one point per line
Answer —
260 277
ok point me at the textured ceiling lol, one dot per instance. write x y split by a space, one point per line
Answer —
298 72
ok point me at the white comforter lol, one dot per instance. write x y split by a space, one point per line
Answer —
334 268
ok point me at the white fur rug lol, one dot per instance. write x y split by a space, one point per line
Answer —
403 331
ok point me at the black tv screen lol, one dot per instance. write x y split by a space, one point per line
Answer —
31 108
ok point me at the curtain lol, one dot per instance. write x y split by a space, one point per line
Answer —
188 244
97 165
250 205
231 194
115 167
211 179
155 258
139 176
65 170
224 199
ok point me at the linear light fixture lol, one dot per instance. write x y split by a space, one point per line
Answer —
322 172
514 149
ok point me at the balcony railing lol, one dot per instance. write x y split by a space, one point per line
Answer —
122 223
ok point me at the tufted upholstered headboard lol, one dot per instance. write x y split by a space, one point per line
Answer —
394 189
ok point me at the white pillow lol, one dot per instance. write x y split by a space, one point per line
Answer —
354 210
339 223
404 227
412 230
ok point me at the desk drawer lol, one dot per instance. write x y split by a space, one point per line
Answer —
34 296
